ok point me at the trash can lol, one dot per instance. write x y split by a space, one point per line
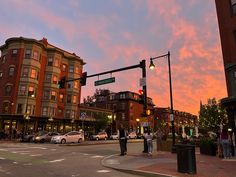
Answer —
186 158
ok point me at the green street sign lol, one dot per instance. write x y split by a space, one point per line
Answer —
104 81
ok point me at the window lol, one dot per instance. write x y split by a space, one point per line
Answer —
56 62
233 6
53 95
27 53
61 98
50 61
68 99
54 79
76 84
1 74
31 91
19 109
71 69
14 52
112 96
63 67
8 89
77 69
52 111
72 114
25 72
5 107
33 73
45 111
122 95
67 113
123 106
48 78
22 90
36 55
46 94
74 99
11 71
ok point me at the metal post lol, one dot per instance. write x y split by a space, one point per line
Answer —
171 106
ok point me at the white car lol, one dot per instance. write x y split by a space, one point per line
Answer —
114 137
132 135
70 137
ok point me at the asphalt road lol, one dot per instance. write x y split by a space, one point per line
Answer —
53 160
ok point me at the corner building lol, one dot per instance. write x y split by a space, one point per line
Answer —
29 97
226 12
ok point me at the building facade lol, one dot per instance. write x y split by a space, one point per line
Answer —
29 73
126 106
226 12
182 120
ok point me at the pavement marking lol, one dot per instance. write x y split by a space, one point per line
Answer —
3 150
103 171
112 162
85 154
57 160
15 162
2 158
28 164
97 156
75 175
229 160
53 149
34 155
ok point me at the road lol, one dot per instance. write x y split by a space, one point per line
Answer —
53 160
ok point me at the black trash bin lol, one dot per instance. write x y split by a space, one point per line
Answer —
186 158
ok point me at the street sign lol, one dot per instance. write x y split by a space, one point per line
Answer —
171 117
142 82
83 115
104 81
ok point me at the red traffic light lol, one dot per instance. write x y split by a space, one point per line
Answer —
140 92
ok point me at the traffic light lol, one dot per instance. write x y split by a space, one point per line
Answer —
141 97
62 83
83 78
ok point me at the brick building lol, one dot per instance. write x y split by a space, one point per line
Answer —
30 98
226 12
126 108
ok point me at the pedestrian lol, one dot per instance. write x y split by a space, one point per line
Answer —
149 138
122 136
145 146
233 143
224 137
159 136
219 145
126 140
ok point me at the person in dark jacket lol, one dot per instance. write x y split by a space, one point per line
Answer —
122 140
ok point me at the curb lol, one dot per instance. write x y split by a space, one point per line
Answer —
134 172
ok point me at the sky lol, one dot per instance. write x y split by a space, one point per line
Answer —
113 34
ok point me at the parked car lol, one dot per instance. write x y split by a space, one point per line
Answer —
44 137
114 137
99 136
132 135
70 137
27 138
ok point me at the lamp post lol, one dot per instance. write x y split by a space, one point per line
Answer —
111 121
51 120
152 66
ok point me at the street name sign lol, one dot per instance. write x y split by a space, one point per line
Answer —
104 81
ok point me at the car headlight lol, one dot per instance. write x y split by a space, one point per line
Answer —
37 138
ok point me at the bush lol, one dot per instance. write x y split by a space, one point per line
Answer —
208 146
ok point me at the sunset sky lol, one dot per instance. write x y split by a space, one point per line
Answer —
112 34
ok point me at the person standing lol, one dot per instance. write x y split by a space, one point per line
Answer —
149 138
224 138
159 136
122 140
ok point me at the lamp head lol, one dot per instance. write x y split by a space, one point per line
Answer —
151 66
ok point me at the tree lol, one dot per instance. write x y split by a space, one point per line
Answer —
102 121
212 116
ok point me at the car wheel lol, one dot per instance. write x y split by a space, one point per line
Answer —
42 141
63 141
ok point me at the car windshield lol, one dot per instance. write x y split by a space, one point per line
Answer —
41 133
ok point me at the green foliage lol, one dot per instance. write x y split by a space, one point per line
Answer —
211 116
102 121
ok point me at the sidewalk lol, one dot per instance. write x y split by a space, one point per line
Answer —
164 164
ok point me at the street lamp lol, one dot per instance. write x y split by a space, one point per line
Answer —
152 66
